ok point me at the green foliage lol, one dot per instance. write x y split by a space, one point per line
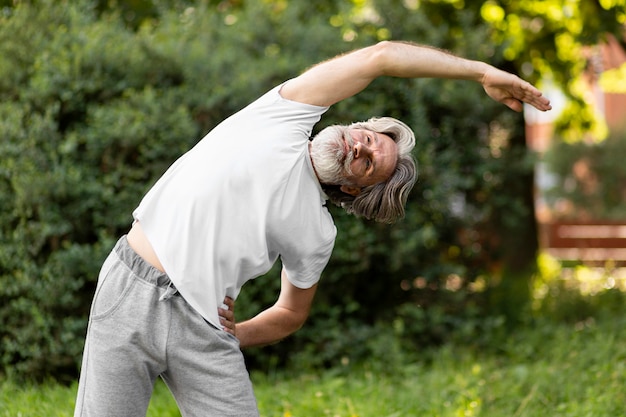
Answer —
467 165
577 294
549 370
97 112
573 370
614 80
87 125
93 113
550 40
96 103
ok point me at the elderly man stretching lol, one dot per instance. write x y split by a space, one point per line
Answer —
251 191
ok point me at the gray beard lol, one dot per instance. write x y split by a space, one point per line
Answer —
327 155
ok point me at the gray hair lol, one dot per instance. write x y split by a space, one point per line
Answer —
383 202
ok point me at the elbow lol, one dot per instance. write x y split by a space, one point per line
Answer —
293 321
297 322
381 49
383 45
380 56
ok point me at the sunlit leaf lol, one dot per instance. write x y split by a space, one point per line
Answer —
614 80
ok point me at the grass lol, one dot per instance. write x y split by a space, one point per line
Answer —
573 370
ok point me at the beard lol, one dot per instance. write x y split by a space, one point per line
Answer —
329 157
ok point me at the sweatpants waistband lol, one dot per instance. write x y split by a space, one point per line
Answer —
139 266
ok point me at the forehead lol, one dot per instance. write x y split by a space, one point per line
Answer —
387 156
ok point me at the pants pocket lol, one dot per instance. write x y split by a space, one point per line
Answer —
114 283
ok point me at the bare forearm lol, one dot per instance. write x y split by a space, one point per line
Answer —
346 75
269 326
408 60
400 59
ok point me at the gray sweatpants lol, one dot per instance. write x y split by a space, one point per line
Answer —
141 328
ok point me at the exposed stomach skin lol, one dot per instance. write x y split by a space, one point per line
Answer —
140 244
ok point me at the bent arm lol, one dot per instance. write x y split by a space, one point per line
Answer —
286 316
339 78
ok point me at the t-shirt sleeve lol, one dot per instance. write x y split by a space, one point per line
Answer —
305 269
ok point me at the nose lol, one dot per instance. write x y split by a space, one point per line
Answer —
360 149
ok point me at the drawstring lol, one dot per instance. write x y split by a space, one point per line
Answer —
169 292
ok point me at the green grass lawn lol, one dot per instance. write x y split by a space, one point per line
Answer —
575 370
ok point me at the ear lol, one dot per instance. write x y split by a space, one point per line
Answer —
353 191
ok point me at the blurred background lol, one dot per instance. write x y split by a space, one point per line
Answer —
515 219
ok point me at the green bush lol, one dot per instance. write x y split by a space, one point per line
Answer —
93 111
87 128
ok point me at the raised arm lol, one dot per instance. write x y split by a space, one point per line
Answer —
344 76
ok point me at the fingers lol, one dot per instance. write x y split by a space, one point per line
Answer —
513 91
534 97
541 103
230 303
513 104
517 105
527 94
227 316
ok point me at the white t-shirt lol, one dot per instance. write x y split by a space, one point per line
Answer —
243 196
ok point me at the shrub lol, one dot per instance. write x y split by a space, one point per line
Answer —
94 111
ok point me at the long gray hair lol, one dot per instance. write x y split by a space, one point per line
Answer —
383 202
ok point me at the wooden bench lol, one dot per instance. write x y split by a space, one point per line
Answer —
593 243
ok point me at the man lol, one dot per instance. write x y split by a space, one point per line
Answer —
250 192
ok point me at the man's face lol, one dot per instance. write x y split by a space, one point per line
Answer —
353 157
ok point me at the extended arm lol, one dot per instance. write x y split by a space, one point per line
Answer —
339 78
286 316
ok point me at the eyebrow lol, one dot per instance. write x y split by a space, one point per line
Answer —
375 160
383 152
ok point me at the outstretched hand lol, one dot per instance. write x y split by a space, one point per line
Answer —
512 91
